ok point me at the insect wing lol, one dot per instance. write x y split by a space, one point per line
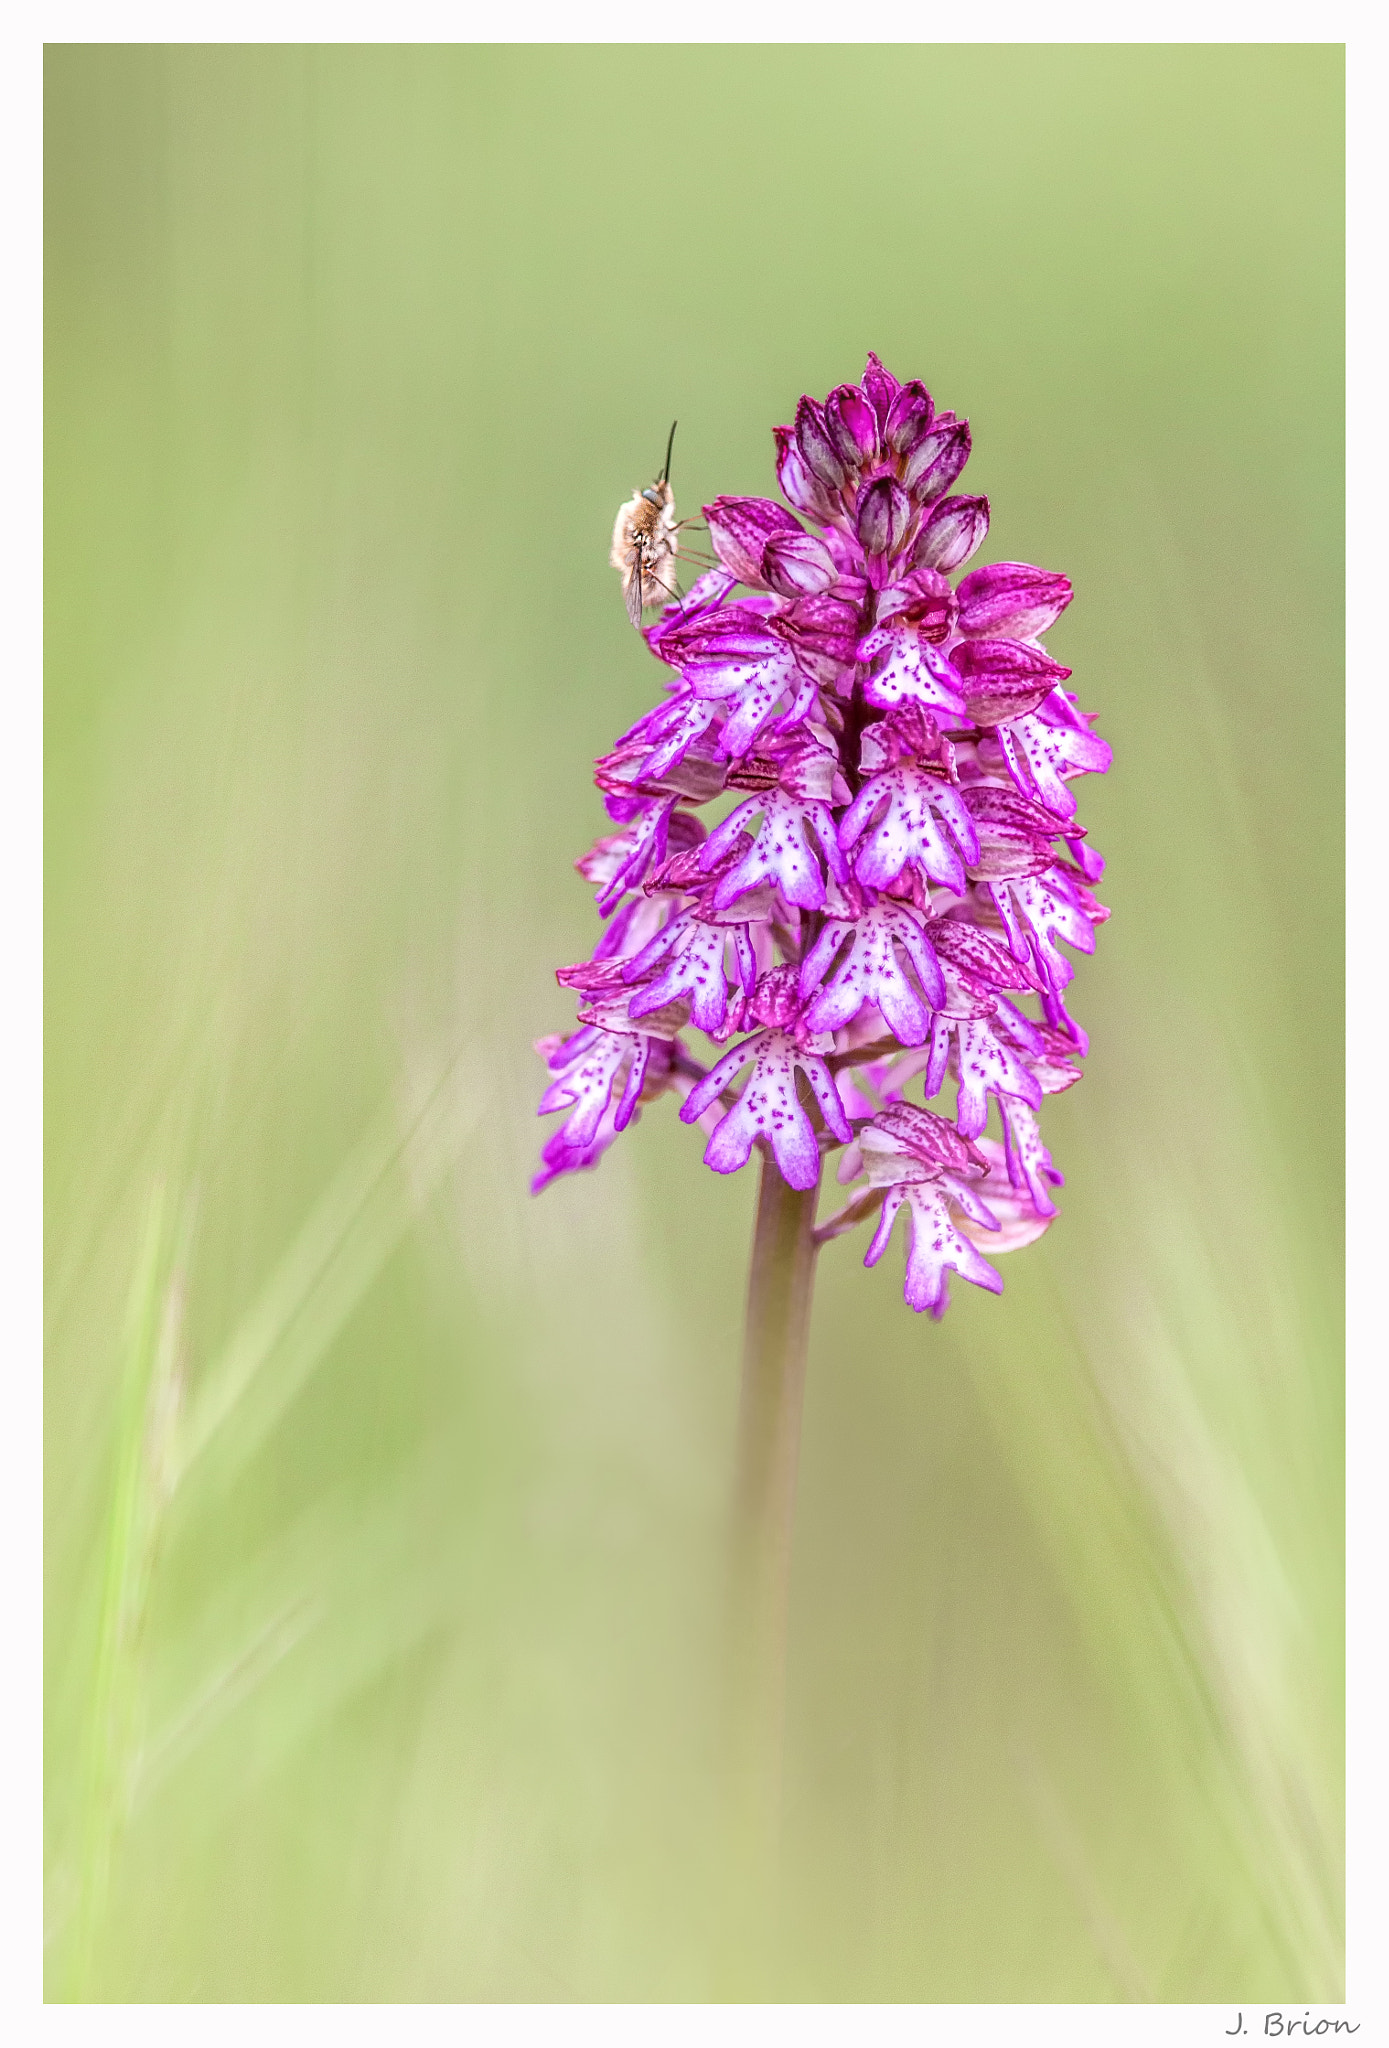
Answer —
632 583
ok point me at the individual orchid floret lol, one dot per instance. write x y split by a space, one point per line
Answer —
895 888
936 1247
692 955
880 956
908 817
599 1078
1046 749
769 1107
781 854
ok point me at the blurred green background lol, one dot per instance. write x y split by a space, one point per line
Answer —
386 1506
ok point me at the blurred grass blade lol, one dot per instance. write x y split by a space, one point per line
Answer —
222 1694
343 1245
151 1381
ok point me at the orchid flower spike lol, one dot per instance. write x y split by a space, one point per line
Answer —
894 886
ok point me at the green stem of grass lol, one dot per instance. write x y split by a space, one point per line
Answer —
150 1391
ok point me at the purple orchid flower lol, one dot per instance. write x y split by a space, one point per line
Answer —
898 891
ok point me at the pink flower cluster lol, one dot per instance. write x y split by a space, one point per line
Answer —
888 901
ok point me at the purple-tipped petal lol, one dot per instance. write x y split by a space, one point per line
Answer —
780 854
1028 1160
799 485
823 1088
585 1085
687 719
709 1089
798 565
955 529
907 818
883 517
988 1065
1011 600
1048 912
936 461
1004 679
631 1093
637 850
880 388
909 417
1043 756
851 426
818 451
694 973
740 529
871 971
935 1249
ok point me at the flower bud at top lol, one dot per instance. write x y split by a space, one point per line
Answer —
851 426
821 457
798 485
909 417
955 528
936 460
798 565
884 514
880 387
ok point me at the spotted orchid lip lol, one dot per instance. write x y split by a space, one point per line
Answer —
899 889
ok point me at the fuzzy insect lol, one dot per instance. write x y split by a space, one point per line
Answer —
644 542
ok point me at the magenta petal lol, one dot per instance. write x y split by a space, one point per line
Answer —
1011 600
884 885
798 565
740 529
817 449
1005 679
936 461
955 529
768 1108
801 487
880 387
884 512
909 417
851 425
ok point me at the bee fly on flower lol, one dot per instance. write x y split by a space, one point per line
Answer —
644 542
